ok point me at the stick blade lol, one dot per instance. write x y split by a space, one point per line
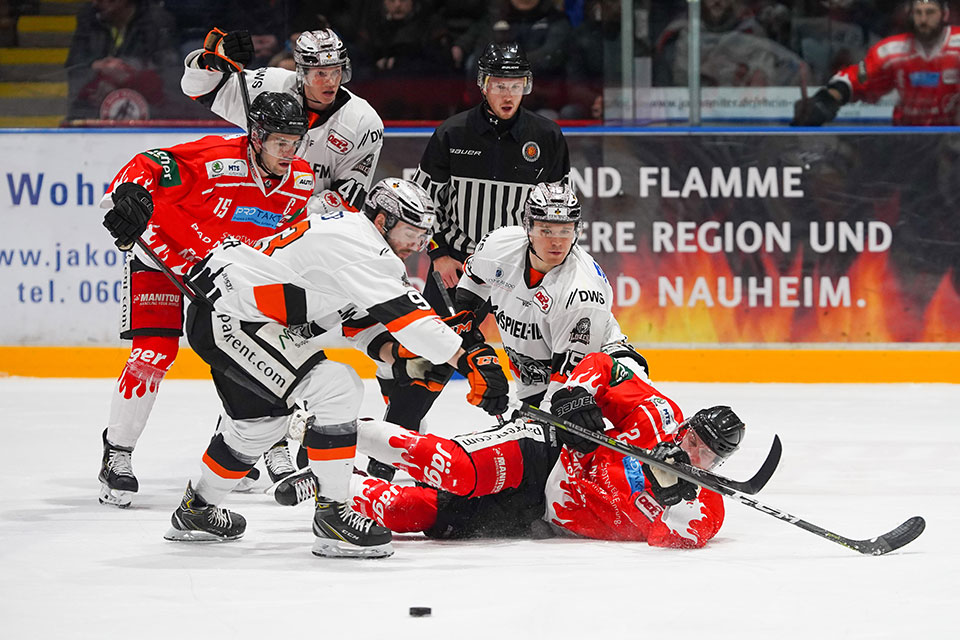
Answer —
893 540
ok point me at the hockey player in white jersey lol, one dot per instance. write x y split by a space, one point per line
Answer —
343 140
268 302
346 134
550 299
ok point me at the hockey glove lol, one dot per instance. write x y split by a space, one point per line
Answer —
666 487
226 51
132 208
488 385
815 111
409 368
200 280
576 405
465 324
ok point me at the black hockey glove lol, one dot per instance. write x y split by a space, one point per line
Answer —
666 487
226 52
488 385
465 324
576 405
815 111
132 208
200 280
409 368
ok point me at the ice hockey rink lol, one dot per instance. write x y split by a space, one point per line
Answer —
857 459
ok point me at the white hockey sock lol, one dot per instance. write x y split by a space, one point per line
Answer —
333 478
132 402
374 438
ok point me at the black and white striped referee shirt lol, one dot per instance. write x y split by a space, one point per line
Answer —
480 178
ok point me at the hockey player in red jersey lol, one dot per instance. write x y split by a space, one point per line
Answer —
524 478
923 66
188 198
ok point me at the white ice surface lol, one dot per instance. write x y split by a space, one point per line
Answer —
858 459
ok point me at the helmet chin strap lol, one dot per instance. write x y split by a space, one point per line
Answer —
258 157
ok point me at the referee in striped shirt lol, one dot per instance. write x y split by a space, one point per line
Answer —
480 164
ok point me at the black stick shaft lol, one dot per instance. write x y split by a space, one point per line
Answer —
191 296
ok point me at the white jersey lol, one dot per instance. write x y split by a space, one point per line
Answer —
342 147
546 328
329 269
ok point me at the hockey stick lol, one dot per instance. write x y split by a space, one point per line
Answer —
191 295
878 546
695 475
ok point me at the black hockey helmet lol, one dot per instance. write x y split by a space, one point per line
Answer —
628 356
322 48
400 199
719 428
551 202
504 61
273 112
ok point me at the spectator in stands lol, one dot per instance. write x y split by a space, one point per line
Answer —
404 40
832 37
119 50
734 51
594 60
540 29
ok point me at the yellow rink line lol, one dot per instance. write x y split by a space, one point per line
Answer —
679 365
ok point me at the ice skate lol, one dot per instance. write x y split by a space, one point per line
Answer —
343 533
196 521
278 462
380 470
295 488
117 482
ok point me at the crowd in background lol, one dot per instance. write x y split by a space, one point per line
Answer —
416 59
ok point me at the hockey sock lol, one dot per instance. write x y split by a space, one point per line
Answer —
330 451
136 390
400 509
221 471
427 458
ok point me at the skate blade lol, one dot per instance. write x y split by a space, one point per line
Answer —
176 535
115 497
326 548
246 486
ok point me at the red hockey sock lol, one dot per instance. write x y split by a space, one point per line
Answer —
400 509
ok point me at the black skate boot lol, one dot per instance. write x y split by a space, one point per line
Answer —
117 482
196 521
343 533
296 488
279 465
380 470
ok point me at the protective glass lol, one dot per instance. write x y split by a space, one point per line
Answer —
281 146
701 455
554 230
319 76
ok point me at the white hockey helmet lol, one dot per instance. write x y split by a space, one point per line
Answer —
400 199
322 48
551 202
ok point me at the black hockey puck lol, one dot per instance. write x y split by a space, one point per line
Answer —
419 612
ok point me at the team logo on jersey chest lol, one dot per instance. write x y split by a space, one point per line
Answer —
531 151
543 300
232 167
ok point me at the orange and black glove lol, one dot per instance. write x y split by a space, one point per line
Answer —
465 324
408 368
226 52
488 385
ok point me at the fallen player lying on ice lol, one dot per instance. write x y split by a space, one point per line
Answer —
525 478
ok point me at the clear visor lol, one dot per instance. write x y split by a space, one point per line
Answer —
321 76
507 86
407 236
701 456
281 145
553 229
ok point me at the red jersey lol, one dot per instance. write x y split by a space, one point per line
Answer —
604 494
928 81
206 190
